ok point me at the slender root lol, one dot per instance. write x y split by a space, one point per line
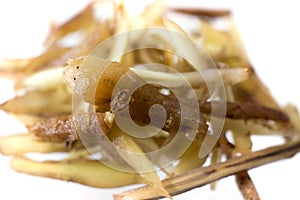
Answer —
202 176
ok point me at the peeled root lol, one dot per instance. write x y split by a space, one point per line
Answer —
137 159
87 172
24 143
229 76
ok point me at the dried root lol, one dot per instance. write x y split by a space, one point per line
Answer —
44 90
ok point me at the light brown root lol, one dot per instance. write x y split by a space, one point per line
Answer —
246 186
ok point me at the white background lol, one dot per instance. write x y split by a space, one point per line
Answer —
271 34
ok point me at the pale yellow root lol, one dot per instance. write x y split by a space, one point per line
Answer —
87 172
24 143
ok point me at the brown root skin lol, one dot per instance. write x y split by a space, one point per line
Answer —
145 97
61 128
243 179
246 111
54 129
203 12
254 91
246 186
